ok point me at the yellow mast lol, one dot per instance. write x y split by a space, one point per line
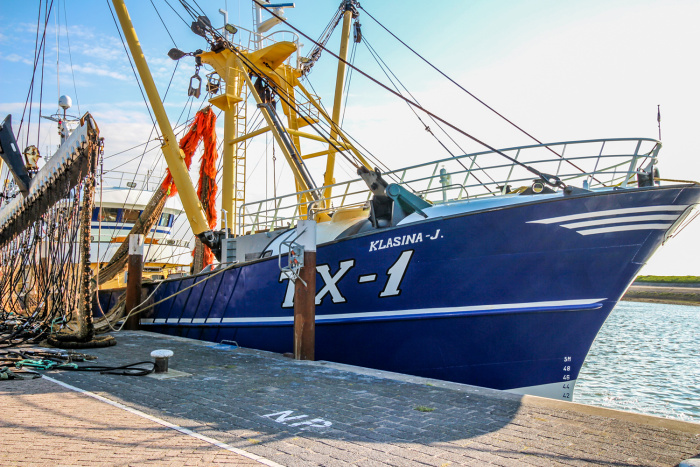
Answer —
228 167
337 102
174 156
234 72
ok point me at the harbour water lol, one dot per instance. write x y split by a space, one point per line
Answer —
646 359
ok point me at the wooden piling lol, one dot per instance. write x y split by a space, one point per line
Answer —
305 295
133 280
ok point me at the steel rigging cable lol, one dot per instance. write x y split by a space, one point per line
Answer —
384 67
549 179
472 95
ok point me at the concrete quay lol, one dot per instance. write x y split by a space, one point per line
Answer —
223 405
659 292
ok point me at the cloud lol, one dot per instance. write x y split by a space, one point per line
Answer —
100 70
16 58
11 107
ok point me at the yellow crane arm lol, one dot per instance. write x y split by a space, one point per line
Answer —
172 152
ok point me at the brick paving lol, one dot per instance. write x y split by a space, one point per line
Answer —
42 423
314 413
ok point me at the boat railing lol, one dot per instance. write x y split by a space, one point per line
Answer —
250 41
590 164
148 181
284 211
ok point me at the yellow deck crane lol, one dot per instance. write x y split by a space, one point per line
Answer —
236 67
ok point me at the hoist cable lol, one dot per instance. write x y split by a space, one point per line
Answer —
47 13
385 68
348 80
143 96
471 94
176 12
547 178
30 93
70 57
163 23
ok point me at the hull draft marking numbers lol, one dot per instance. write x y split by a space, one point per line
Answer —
567 387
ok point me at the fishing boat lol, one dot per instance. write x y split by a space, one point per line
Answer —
494 268
121 198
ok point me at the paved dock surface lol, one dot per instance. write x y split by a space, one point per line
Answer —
245 407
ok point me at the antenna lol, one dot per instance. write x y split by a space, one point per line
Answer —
658 119
225 15
260 27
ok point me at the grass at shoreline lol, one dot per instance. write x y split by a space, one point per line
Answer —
670 279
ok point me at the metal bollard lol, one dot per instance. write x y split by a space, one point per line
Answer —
161 357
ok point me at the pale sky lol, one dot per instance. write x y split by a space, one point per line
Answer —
561 70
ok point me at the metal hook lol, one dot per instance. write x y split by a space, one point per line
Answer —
192 91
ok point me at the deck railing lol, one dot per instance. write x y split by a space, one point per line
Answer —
251 41
138 181
590 164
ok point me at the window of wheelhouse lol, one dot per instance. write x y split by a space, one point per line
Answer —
105 214
130 215
165 220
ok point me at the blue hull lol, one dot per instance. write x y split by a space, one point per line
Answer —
507 297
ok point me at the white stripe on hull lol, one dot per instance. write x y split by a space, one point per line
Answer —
620 220
623 228
380 314
610 212
612 224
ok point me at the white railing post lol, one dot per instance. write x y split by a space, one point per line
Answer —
633 164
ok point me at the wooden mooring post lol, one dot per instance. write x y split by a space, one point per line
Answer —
305 295
133 281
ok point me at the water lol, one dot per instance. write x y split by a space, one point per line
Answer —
646 359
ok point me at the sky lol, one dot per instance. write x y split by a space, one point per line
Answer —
563 71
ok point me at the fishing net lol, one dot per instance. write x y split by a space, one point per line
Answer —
45 251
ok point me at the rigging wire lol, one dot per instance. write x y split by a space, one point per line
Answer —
366 152
547 178
163 23
465 90
31 85
140 159
47 12
176 12
70 57
143 96
37 51
287 99
57 25
200 8
385 68
346 86
323 39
